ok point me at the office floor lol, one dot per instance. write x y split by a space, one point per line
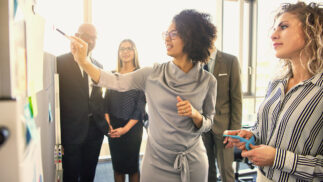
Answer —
104 172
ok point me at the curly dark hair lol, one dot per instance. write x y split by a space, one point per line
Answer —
197 33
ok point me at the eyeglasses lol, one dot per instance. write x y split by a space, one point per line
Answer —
172 34
123 49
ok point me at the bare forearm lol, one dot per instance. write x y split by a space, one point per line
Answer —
197 119
130 124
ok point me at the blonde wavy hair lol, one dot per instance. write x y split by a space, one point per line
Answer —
135 61
311 17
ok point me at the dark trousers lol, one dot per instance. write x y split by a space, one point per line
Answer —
80 160
216 149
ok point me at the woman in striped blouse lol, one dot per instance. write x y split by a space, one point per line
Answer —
289 128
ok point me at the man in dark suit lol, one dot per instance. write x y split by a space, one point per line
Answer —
228 115
82 120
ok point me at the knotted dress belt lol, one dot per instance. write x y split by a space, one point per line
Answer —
181 162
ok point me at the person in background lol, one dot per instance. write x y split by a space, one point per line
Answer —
289 128
226 70
181 99
82 119
125 112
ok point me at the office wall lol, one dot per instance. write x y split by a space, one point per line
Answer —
46 99
28 154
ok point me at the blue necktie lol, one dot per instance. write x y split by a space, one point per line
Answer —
205 67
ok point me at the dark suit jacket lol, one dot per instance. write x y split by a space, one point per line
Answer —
229 96
76 107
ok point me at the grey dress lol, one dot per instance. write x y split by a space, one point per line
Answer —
174 151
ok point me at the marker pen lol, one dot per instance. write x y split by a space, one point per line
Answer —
64 34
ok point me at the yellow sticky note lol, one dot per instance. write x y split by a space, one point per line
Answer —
34 105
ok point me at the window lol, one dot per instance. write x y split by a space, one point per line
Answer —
62 14
143 21
238 27
236 36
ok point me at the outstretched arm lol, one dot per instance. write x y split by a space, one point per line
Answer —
79 51
115 81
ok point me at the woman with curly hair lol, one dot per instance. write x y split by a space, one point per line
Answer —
180 95
289 128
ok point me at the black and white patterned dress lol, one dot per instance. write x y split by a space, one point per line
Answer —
121 107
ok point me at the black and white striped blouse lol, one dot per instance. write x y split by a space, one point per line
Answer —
292 123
